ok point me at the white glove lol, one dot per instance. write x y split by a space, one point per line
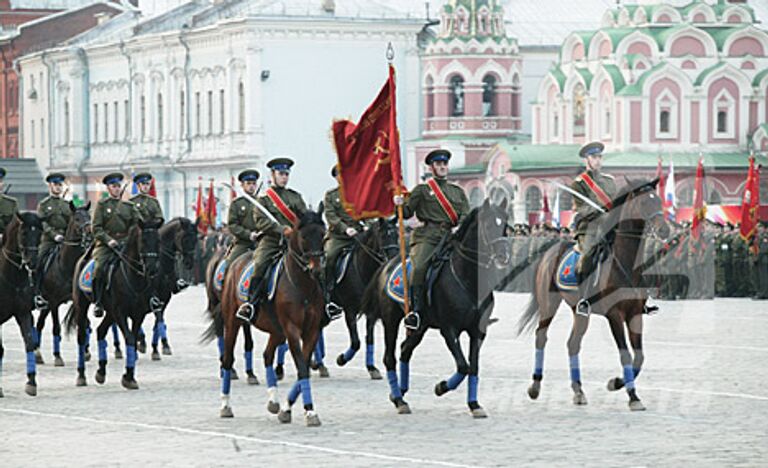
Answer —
58 238
254 235
351 232
398 200
112 243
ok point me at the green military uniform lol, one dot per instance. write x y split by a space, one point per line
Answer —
55 213
9 207
240 219
148 207
338 223
762 265
743 287
585 213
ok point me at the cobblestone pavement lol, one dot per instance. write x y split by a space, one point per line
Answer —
703 384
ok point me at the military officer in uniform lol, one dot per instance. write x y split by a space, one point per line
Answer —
342 230
148 207
55 213
438 218
8 207
240 220
762 261
286 205
600 188
112 220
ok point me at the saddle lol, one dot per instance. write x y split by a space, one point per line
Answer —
273 274
46 261
440 257
85 280
342 263
568 277
218 275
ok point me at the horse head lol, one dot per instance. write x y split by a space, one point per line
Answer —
641 202
388 236
307 241
186 241
149 246
79 228
26 237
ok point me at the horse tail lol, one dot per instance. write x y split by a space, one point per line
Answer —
212 330
528 319
70 320
544 272
369 305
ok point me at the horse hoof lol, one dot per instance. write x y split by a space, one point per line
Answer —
311 419
579 399
340 361
273 407
534 390
155 355
87 356
403 408
279 372
234 375
226 412
636 405
30 389
39 357
167 351
129 384
323 371
142 348
252 379
441 388
614 384
81 382
58 361
478 413
313 365
118 354
284 416
100 377
374 373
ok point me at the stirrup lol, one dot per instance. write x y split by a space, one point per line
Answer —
650 309
182 284
245 312
40 302
155 304
98 311
412 320
583 308
333 310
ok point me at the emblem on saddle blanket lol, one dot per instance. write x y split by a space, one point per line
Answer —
218 277
244 282
85 280
395 287
566 278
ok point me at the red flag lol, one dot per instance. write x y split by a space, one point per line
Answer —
661 186
369 157
699 209
749 203
210 207
232 193
202 222
152 188
546 215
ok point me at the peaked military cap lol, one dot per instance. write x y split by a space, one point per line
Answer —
142 177
335 170
55 178
248 175
280 164
437 155
113 178
591 149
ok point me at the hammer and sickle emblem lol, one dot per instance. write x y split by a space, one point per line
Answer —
380 149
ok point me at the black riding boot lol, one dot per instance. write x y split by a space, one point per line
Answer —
332 309
247 310
413 319
39 300
584 307
98 293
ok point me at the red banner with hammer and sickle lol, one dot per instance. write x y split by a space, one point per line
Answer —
369 157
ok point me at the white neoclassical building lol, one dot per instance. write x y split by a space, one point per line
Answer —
211 87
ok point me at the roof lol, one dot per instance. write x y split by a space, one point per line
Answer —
636 89
23 176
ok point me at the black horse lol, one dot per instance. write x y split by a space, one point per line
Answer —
461 301
56 284
17 268
126 299
372 249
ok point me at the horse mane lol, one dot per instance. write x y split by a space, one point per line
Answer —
310 217
633 187
466 223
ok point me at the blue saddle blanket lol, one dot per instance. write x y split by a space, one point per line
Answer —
85 281
566 271
395 288
341 266
244 283
218 277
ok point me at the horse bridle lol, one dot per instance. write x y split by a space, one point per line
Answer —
83 242
466 252
380 256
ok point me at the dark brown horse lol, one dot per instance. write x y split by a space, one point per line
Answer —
621 297
17 267
296 314
56 285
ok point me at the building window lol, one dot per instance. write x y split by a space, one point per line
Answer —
667 115
241 107
664 121
95 123
489 96
106 122
42 133
66 121
608 122
555 125
532 199
516 96
722 121
182 115
579 111
457 96
143 116
159 116
197 113
724 115
430 95
32 131
116 109
221 111
210 112
127 119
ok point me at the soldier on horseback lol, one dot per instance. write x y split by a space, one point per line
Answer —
285 205
342 230
600 188
240 220
440 206
8 206
55 213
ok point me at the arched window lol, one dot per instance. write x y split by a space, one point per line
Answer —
764 189
713 197
722 121
457 96
143 116
430 97
159 116
555 125
516 96
182 115
66 122
566 201
532 199
664 121
579 110
489 96
241 107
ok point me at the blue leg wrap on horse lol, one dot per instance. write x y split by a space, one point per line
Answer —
141 333
321 345
455 380
130 352
575 370
538 367
56 344
405 376
81 357
636 371
306 392
102 350
293 394
369 355
394 387
629 377
115 334
30 362
220 343
349 354
281 350
472 388
319 353
248 361
271 377
155 334
226 381
36 337
163 330
87 335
